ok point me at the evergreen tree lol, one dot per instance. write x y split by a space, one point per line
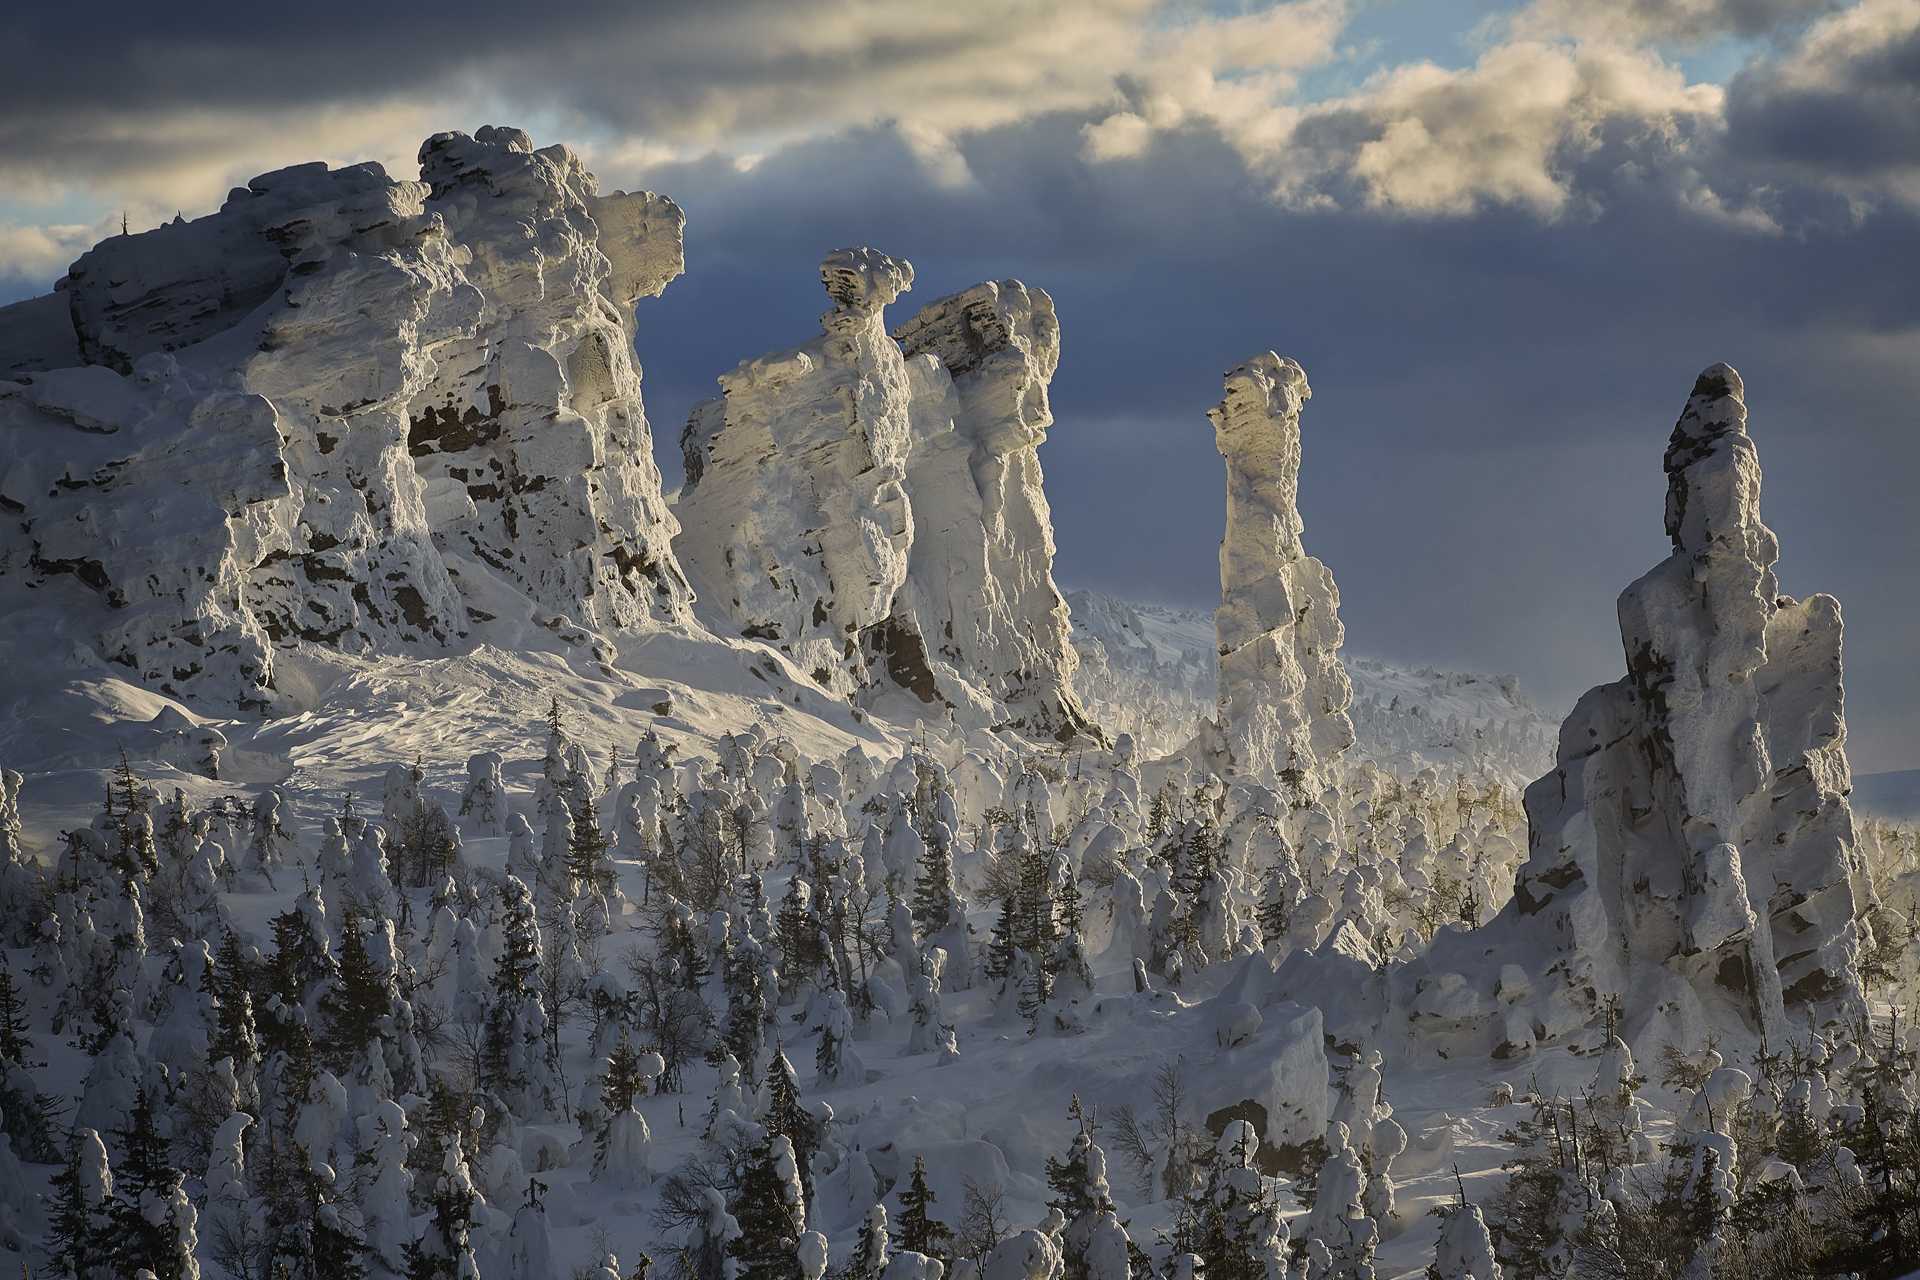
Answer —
771 1210
354 1006
231 978
789 1118
870 1254
587 847
15 1043
918 1232
744 1032
81 1239
153 1223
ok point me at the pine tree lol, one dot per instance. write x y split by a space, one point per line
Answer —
151 1220
81 1239
789 1118
354 1005
934 893
771 1210
918 1232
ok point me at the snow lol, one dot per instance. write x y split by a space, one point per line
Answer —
357 492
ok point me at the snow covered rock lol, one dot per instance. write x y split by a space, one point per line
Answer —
1283 691
794 512
1693 850
325 412
980 580
878 516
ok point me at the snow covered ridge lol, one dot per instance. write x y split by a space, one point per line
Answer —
346 411
871 504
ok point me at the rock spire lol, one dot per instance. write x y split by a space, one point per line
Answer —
872 503
1283 691
1694 847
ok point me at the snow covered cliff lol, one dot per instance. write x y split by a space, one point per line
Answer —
348 410
1283 692
1693 852
871 504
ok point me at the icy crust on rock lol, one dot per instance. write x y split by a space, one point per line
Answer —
795 509
874 508
1283 692
1693 849
310 416
980 579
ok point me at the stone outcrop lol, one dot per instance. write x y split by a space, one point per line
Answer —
795 513
980 578
873 507
1283 691
317 415
1694 848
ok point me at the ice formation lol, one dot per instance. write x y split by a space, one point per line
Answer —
343 407
1283 692
878 515
1693 849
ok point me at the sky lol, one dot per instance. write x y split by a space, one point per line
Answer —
1501 238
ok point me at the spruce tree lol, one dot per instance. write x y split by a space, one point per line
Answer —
352 1008
771 1211
149 1219
918 1232
587 849
81 1238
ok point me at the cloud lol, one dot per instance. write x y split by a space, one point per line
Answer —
1686 22
1842 108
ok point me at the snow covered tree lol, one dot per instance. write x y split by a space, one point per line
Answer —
82 1237
622 1145
1081 1193
154 1224
771 1210
870 1254
354 1005
918 1232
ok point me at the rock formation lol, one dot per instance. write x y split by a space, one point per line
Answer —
1283 691
1694 847
344 406
980 580
878 515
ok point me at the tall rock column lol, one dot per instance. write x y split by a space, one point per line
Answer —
1701 633
794 512
1283 691
1693 852
981 577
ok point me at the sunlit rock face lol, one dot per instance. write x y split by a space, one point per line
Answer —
334 410
1283 691
1694 849
980 581
871 503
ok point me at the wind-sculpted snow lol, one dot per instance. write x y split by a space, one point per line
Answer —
1693 853
874 507
1283 692
335 411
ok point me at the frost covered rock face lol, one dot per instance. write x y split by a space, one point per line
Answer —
874 507
980 579
1695 838
795 512
1283 691
314 416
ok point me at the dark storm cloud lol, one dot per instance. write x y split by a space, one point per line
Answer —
1848 107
